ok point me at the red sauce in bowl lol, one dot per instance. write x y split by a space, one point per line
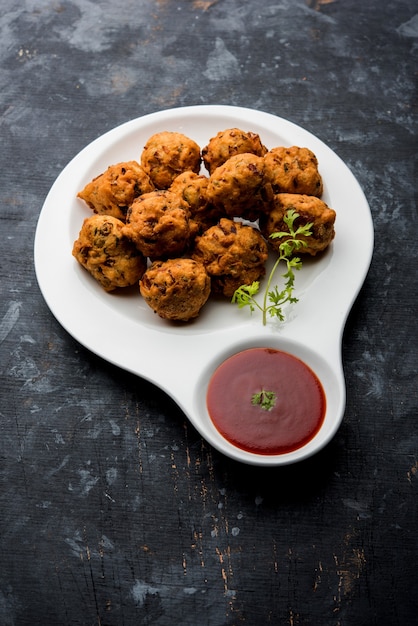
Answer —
299 401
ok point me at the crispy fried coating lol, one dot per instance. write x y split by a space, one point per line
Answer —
112 192
104 251
167 154
228 143
192 188
176 289
233 254
293 170
159 224
238 187
311 210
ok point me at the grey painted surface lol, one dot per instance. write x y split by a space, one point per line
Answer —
113 510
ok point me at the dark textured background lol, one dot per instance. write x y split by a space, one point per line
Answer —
113 509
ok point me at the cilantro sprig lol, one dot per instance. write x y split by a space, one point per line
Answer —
274 298
266 399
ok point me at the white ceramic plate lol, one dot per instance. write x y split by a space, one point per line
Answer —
181 359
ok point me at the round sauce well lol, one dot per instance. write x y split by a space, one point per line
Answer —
266 401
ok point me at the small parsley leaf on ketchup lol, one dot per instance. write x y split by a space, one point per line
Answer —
266 399
274 299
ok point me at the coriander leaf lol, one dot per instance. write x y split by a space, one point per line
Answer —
274 299
244 295
266 399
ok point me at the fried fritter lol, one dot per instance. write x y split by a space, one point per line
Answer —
104 251
293 170
238 187
193 189
176 289
233 254
159 224
311 210
229 142
168 154
112 192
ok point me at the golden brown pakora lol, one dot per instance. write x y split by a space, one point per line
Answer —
113 191
293 170
167 154
238 187
311 210
228 143
104 251
193 189
176 289
159 224
233 254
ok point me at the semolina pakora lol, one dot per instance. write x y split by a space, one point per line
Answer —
167 154
107 254
311 210
176 289
228 143
293 170
193 189
113 191
238 187
233 254
159 224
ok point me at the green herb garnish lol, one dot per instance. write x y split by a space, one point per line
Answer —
273 298
266 399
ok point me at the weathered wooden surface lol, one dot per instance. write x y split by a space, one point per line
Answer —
113 510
